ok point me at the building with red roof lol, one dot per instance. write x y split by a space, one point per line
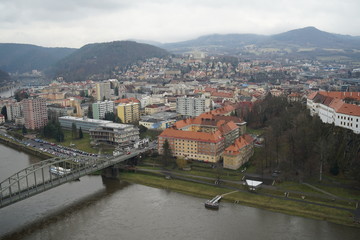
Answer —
332 108
202 138
239 152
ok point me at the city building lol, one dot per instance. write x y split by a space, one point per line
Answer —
239 152
35 113
201 146
103 91
154 108
14 110
115 134
192 107
160 120
332 108
203 138
85 123
100 108
128 110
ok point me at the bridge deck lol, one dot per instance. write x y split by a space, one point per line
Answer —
37 178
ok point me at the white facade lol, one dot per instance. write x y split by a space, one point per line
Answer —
348 121
14 110
341 117
100 108
103 90
193 107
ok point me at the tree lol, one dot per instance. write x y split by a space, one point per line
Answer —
4 112
60 135
90 112
82 93
73 131
116 90
81 135
166 153
24 130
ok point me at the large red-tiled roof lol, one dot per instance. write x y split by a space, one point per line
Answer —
341 95
189 135
349 109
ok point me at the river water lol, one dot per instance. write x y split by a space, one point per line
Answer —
94 208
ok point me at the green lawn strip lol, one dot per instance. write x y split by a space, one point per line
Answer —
340 192
292 186
81 144
255 200
254 131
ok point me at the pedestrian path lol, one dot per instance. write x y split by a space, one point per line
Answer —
320 190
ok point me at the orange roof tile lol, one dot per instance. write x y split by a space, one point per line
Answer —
239 143
127 100
341 95
198 136
349 109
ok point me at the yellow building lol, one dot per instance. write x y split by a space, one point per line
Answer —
238 153
129 112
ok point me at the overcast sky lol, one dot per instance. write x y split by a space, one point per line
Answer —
74 23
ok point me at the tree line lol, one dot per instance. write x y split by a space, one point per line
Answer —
302 146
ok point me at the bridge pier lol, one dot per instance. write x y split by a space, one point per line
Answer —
110 172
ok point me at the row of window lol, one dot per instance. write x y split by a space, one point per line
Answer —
348 118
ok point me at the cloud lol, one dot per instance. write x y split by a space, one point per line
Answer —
74 23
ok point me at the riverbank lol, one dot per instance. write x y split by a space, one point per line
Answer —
18 146
277 204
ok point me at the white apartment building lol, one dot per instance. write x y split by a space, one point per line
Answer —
100 108
192 107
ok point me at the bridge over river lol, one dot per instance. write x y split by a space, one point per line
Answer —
50 173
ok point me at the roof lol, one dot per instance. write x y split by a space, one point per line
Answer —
341 95
239 143
349 109
222 94
127 100
189 135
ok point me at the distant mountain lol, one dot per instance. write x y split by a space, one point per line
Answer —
309 40
25 57
313 37
96 61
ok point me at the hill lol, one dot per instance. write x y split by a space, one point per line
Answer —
308 41
25 57
96 61
4 77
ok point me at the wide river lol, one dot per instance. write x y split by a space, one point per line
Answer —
93 208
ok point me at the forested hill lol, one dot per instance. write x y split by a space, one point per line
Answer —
298 144
25 57
98 60
4 77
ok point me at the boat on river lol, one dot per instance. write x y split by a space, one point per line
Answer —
213 203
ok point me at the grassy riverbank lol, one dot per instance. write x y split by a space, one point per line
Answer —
278 204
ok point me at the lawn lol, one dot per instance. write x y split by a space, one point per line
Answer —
81 144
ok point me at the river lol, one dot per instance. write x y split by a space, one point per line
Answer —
94 208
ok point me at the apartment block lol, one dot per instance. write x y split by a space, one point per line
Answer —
103 91
192 107
128 110
35 113
100 108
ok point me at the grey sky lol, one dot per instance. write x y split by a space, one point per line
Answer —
74 23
